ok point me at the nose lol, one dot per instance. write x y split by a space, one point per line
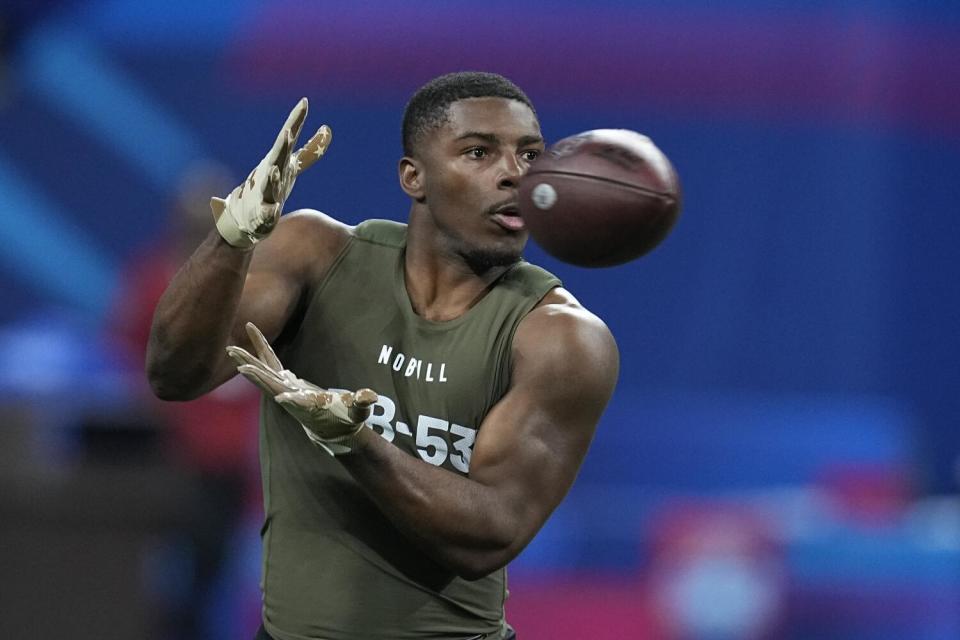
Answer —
510 172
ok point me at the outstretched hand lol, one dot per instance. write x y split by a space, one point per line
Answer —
331 420
251 211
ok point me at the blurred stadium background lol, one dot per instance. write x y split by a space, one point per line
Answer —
780 460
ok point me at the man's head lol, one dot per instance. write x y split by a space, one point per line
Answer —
428 108
468 139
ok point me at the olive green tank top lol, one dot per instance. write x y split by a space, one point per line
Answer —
334 567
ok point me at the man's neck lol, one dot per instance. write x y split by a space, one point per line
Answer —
440 284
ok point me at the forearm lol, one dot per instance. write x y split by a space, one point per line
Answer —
462 524
193 321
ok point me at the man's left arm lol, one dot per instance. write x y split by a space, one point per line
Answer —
528 450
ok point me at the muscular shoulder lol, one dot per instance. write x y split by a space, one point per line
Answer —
560 339
304 244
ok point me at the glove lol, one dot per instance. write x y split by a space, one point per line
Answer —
252 210
331 420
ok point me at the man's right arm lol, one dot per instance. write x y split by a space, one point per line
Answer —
251 268
221 288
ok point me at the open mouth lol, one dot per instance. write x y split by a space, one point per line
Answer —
508 217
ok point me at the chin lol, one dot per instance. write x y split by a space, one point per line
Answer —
482 259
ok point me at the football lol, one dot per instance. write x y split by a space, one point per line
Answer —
600 198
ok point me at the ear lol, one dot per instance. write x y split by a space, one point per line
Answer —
411 178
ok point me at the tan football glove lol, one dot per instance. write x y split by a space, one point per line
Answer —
332 421
252 210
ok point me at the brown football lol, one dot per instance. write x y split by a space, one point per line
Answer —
600 198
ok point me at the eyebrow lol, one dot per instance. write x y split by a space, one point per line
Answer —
528 140
493 139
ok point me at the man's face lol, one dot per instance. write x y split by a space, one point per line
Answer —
472 165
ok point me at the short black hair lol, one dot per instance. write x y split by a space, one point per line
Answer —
427 108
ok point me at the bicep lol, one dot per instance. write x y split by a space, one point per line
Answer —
270 297
532 443
281 273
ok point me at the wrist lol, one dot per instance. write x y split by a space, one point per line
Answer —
359 440
340 445
223 245
233 235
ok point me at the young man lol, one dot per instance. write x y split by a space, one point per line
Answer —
489 377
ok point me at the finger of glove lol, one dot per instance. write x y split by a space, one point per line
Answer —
365 397
294 123
268 381
298 115
359 414
359 404
314 149
243 357
262 347
273 191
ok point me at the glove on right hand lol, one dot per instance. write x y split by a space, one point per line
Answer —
251 211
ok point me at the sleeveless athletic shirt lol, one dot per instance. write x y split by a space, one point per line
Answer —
334 567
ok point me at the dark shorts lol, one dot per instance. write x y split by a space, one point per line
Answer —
263 635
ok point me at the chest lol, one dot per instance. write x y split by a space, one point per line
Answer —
435 384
